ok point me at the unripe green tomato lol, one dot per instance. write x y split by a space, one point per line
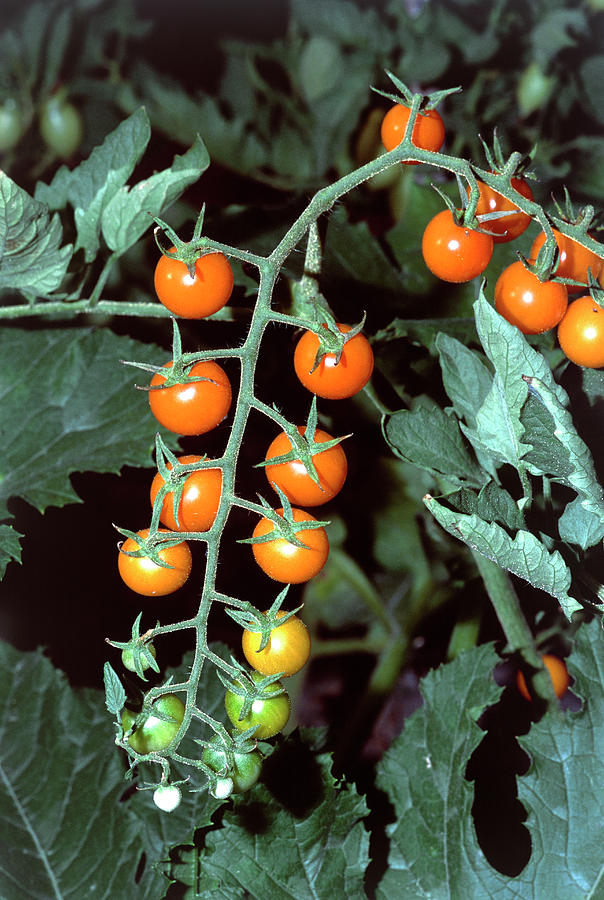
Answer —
61 126
269 715
155 733
320 67
533 89
246 766
167 797
11 124
128 658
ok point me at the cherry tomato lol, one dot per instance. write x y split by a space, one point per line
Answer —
334 380
269 715
453 252
293 478
128 658
193 407
197 297
287 651
155 733
145 577
581 333
428 131
61 126
282 560
167 797
246 768
199 500
531 305
11 124
575 260
557 672
508 228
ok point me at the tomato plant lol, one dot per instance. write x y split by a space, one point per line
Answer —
557 672
128 658
192 407
293 478
155 733
245 770
268 717
581 333
574 262
428 131
333 378
199 500
455 252
531 305
510 226
287 651
284 561
194 296
146 577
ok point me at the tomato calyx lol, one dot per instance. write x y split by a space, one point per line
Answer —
408 98
286 526
138 654
332 337
174 473
304 446
251 687
231 762
187 252
150 543
263 623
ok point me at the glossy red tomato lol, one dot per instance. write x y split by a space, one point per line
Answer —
145 577
453 252
194 407
508 228
282 560
293 478
575 260
581 333
199 500
194 297
287 651
531 305
428 131
557 672
331 379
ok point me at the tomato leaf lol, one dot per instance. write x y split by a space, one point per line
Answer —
90 186
32 259
524 554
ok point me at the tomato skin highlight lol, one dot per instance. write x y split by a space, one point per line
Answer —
283 561
557 672
198 297
145 577
531 305
428 131
194 407
453 252
287 651
508 228
293 478
575 260
581 333
270 715
155 734
199 500
334 380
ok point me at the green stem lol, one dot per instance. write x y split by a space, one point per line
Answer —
70 309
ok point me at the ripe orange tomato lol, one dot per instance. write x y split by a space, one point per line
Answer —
557 672
293 478
531 305
145 577
282 560
194 297
575 260
581 333
428 131
508 227
194 407
199 500
331 379
287 651
453 252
